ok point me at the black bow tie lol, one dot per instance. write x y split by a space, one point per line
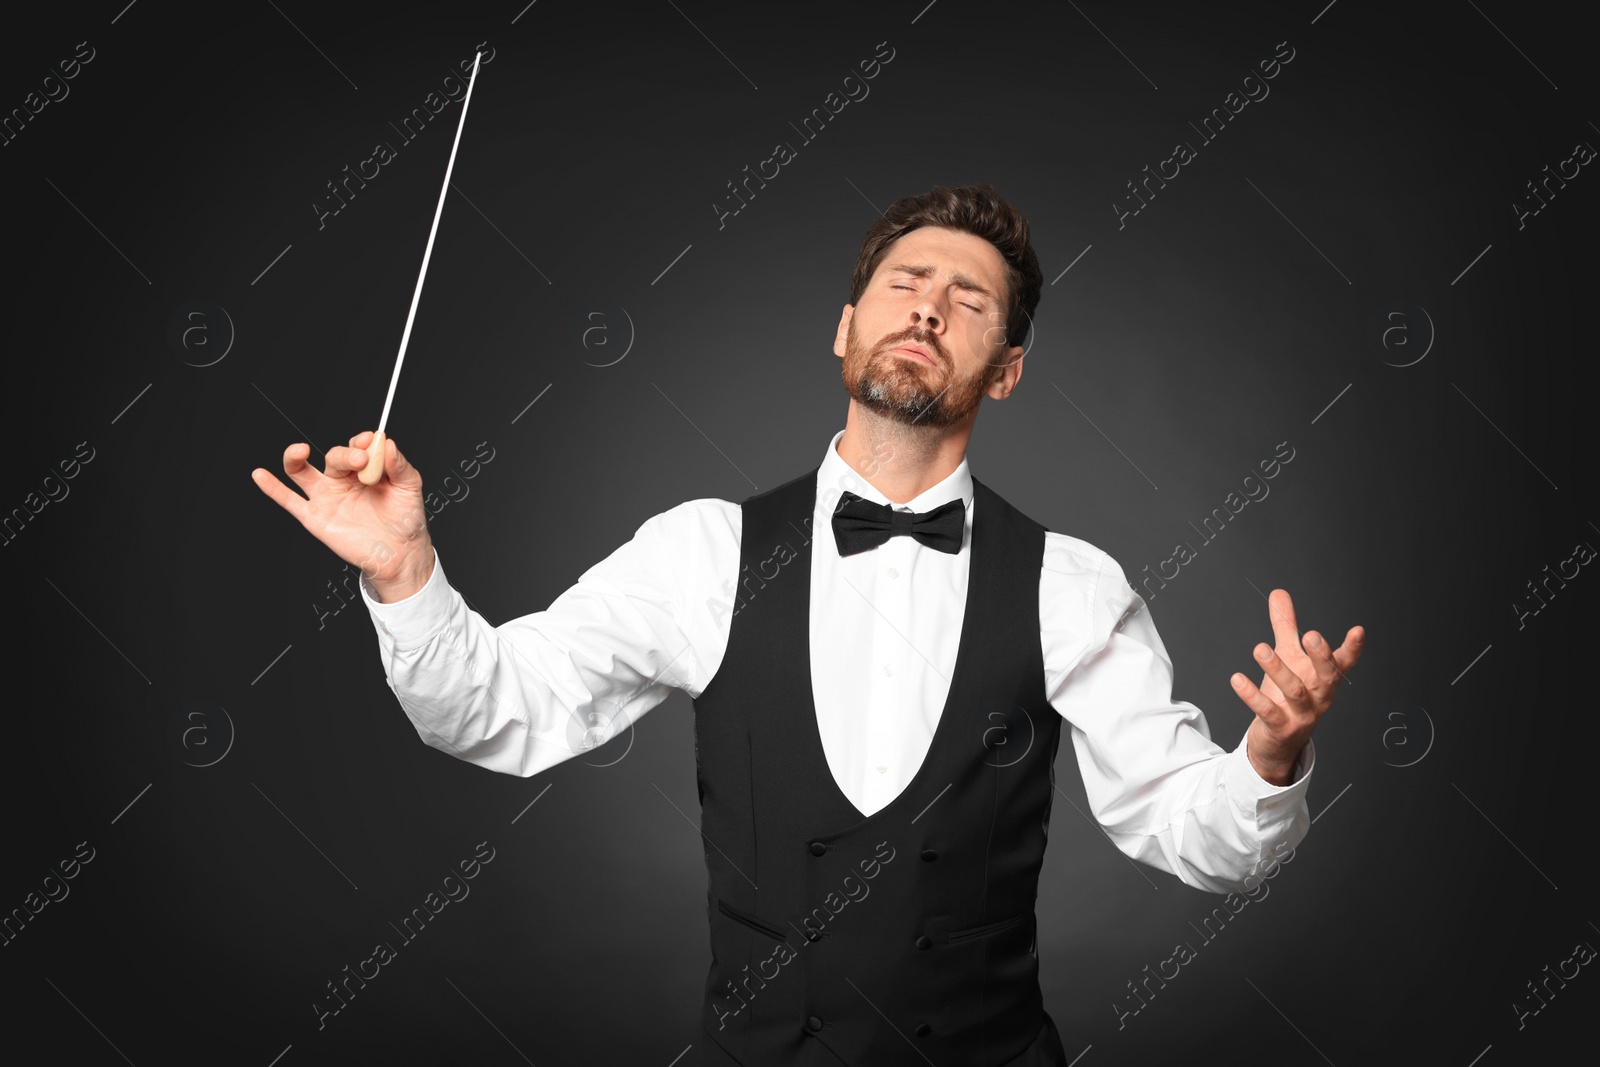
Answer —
860 524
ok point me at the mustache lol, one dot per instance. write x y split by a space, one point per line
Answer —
917 336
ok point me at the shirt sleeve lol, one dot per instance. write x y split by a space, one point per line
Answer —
523 696
1161 789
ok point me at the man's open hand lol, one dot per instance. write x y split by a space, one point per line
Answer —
1297 687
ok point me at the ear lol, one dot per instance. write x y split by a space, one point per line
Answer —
1010 374
843 331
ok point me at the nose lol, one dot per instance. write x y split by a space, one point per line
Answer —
926 315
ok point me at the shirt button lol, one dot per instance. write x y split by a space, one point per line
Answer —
818 848
887 673
813 1024
894 572
924 942
882 769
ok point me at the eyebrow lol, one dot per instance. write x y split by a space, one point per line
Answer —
924 270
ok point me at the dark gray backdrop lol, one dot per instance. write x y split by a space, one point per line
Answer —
1342 268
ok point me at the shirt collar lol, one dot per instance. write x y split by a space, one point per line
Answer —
835 476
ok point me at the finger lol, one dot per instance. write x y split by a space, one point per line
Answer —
1265 708
1347 654
400 472
362 439
1321 659
342 462
296 467
1284 625
1290 684
286 498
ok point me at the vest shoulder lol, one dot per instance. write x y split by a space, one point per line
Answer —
794 486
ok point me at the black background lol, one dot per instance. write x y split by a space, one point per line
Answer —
1451 860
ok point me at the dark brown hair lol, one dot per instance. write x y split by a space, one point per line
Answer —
974 209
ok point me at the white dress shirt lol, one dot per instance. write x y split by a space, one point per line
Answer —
885 625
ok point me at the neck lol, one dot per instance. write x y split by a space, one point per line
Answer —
898 460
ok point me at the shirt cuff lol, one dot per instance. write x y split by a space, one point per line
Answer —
412 621
1254 795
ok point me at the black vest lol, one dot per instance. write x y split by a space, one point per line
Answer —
904 936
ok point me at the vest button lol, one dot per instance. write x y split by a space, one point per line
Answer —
813 1024
818 848
923 1030
929 855
812 935
923 942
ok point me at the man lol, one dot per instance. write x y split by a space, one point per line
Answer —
881 653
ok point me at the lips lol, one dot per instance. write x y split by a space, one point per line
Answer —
916 351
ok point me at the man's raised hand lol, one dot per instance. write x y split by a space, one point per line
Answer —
380 528
1297 687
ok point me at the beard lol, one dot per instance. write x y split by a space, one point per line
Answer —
906 390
